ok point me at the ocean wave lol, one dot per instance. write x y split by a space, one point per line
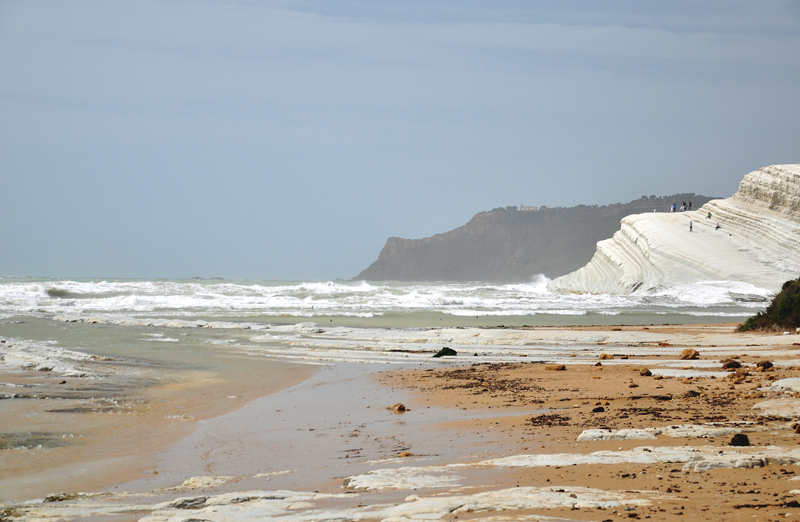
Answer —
215 298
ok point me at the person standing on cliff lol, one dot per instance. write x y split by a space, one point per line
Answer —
690 205
690 226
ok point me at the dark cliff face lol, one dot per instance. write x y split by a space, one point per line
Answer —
512 245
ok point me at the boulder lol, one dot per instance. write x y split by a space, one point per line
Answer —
764 365
731 364
740 439
445 352
688 354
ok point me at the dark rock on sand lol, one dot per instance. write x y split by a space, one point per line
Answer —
445 352
740 439
731 364
765 365
688 354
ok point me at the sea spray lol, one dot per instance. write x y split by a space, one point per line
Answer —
220 299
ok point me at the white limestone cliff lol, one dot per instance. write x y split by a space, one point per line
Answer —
758 242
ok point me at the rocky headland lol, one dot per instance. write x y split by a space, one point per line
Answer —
510 245
751 237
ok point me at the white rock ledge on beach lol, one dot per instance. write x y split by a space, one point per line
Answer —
791 384
675 431
758 242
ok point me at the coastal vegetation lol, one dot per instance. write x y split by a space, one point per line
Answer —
783 313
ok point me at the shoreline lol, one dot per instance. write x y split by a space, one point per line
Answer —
85 421
332 441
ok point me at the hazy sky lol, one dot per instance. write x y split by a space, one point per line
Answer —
289 139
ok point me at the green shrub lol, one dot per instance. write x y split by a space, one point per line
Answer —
783 313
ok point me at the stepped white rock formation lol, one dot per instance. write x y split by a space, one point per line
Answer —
758 242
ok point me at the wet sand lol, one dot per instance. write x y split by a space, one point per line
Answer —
65 433
625 393
492 440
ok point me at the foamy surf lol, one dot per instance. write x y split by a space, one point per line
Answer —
213 298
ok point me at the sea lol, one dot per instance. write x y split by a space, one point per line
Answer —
360 303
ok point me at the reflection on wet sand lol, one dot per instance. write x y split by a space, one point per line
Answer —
103 427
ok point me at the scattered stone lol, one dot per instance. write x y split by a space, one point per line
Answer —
764 365
549 420
406 454
633 385
689 353
645 373
59 497
598 363
731 364
599 409
555 368
398 408
740 439
663 345
445 352
605 356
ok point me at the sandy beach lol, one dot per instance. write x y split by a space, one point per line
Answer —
612 424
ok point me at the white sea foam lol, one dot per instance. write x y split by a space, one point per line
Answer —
44 357
360 299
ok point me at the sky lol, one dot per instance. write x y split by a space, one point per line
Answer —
289 139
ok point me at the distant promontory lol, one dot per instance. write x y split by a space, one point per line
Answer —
513 245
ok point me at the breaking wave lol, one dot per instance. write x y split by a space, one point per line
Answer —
176 298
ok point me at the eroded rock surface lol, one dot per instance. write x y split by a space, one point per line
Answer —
757 242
